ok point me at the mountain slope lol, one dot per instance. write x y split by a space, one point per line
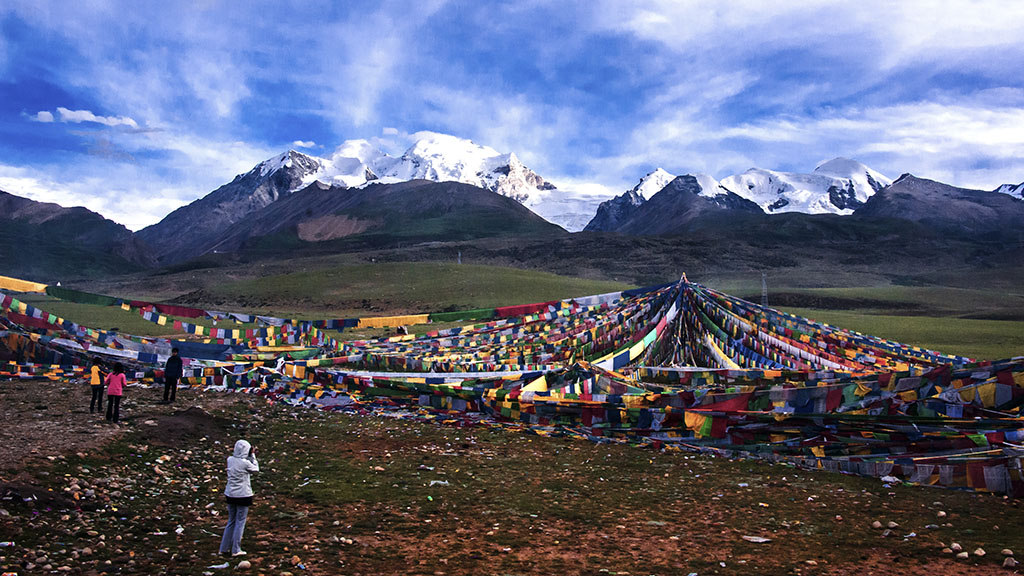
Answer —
192 230
612 215
952 210
687 203
614 212
322 217
47 242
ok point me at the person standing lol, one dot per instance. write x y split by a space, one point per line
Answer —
96 384
241 464
115 388
172 373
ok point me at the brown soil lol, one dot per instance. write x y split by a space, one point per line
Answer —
332 226
341 494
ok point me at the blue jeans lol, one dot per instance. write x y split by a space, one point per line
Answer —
232 540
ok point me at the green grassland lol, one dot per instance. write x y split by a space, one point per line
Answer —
366 289
981 320
348 291
978 339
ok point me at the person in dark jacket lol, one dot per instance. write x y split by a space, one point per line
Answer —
172 373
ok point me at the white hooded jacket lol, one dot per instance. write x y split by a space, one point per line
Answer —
240 465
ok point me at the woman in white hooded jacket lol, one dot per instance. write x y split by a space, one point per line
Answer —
239 496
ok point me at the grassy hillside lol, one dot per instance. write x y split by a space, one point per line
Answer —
396 288
342 290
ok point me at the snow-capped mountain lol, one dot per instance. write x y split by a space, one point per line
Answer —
838 186
611 214
1014 190
433 156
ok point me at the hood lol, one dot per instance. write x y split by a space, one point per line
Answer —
241 449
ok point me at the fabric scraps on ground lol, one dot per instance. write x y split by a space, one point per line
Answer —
677 366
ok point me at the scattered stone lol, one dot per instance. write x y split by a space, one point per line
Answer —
963 556
1010 562
876 525
979 551
243 565
757 539
1007 552
892 525
956 547
947 550
887 533
941 514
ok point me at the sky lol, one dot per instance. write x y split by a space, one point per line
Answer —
133 109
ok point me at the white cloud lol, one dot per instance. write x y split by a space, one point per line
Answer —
304 144
79 116
389 131
141 193
537 133
44 116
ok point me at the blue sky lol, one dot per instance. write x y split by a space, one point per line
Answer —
133 109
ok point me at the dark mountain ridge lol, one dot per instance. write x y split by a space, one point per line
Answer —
45 241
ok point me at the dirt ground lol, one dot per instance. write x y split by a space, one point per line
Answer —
366 494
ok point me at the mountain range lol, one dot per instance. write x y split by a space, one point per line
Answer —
42 239
447 189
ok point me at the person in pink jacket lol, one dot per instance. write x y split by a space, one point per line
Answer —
115 388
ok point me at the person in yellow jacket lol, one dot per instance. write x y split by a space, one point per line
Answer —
96 377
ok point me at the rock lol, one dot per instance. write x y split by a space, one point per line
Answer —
941 514
295 560
1007 552
947 550
956 547
963 556
243 565
892 525
876 525
811 562
1010 562
979 551
887 533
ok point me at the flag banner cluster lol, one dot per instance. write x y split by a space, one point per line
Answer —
679 366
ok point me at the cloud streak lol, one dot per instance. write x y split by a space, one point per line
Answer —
78 116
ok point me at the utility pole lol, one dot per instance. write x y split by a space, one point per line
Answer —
764 290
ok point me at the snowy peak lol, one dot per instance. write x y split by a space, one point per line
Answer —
1014 190
709 187
838 186
433 156
289 160
652 183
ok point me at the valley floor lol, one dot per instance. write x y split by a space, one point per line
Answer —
369 494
